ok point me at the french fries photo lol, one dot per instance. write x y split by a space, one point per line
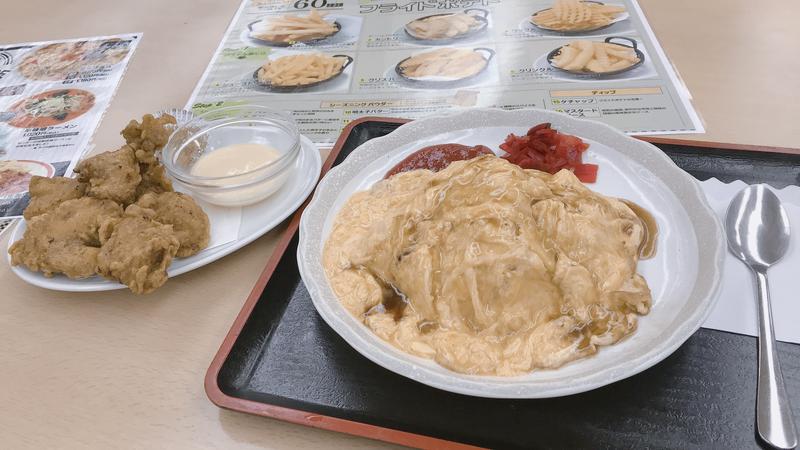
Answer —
452 63
300 70
576 15
594 57
295 28
442 26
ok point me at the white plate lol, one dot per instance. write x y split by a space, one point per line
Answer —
257 219
684 276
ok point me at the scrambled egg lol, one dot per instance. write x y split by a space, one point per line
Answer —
488 268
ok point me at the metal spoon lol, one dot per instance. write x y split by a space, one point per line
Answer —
758 234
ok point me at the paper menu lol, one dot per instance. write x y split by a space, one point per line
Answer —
648 99
52 97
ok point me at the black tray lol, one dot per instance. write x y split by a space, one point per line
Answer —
281 360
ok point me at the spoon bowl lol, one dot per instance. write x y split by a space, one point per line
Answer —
757 226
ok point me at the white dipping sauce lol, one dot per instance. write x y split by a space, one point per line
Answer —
238 159
234 159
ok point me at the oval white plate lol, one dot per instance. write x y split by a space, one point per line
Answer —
684 276
257 219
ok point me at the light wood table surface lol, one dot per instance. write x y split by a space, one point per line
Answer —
112 370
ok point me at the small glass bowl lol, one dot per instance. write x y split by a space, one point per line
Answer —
246 124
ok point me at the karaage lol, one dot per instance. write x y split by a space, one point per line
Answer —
136 251
149 136
154 179
111 175
188 220
79 227
65 240
47 193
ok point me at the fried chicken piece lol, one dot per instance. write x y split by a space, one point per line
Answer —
65 240
136 251
47 193
111 175
154 179
149 136
187 218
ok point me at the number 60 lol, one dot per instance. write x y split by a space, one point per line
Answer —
303 4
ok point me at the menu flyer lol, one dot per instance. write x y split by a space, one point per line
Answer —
52 97
331 61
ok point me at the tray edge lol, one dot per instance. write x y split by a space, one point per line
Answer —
651 139
721 145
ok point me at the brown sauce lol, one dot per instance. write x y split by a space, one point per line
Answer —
647 249
426 326
393 301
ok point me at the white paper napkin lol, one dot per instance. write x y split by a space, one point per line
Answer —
736 308
224 223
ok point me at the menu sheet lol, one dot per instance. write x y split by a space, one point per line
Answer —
52 97
411 58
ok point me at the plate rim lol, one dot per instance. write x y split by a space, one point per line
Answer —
506 387
222 251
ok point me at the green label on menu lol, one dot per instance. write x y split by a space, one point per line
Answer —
245 53
200 108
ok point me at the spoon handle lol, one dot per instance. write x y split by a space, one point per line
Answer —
773 413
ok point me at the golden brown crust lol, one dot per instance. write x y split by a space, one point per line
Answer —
154 179
111 175
136 252
188 220
47 193
149 136
65 240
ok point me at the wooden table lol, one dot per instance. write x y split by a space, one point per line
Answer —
114 370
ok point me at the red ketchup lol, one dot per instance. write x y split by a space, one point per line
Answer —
438 157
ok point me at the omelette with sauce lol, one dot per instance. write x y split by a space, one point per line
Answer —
488 268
